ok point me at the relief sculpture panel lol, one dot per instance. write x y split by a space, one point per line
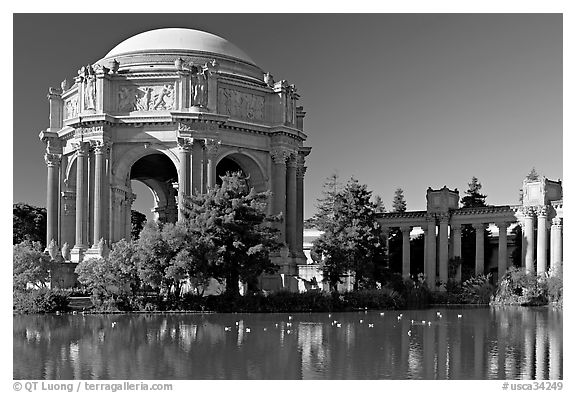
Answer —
239 105
145 98
71 107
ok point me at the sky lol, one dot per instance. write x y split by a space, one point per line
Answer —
395 100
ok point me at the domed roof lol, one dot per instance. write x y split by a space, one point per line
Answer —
180 40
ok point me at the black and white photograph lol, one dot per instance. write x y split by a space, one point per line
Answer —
287 196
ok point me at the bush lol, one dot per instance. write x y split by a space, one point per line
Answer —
477 290
521 288
416 293
40 301
555 289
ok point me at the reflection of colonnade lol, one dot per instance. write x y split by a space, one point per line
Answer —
443 221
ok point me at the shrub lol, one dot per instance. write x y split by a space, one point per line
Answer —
522 288
555 290
30 265
416 293
40 301
477 290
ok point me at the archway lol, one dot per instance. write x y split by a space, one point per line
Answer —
248 166
158 173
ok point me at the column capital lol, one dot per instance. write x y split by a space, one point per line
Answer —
300 172
443 217
185 143
557 222
503 225
100 146
479 226
52 160
212 146
527 211
431 219
405 229
542 211
54 93
456 227
81 148
291 161
280 155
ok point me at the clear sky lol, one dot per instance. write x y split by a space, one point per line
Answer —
396 100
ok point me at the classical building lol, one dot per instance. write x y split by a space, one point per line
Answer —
173 108
540 215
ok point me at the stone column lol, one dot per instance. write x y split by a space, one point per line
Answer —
130 198
457 251
556 246
184 147
443 251
528 239
502 249
117 215
300 172
100 192
211 147
425 258
204 170
81 200
406 251
279 188
431 252
52 196
386 235
542 245
291 203
479 247
196 167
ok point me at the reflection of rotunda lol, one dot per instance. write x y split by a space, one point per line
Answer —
173 108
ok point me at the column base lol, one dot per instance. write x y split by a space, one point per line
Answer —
77 254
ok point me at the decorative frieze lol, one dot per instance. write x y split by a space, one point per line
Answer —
240 105
146 98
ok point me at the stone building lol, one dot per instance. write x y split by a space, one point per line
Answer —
173 108
540 215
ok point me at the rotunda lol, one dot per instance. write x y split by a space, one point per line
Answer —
173 108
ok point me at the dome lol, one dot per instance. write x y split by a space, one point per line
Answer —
178 40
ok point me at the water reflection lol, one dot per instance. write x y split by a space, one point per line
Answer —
472 343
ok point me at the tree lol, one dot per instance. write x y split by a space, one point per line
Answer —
353 242
231 225
31 265
325 205
159 258
533 175
399 203
137 220
29 223
112 280
473 197
378 204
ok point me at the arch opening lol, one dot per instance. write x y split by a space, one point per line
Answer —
158 173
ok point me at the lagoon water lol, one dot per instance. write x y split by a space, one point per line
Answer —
457 343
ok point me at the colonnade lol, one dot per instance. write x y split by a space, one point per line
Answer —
97 209
443 241
287 187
